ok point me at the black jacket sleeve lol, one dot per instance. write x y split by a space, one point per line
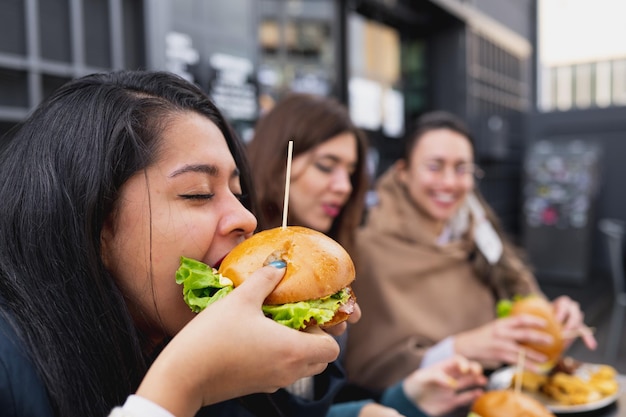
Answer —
282 403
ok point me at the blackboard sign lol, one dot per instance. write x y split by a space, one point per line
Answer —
560 190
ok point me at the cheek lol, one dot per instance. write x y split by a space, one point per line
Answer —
128 250
466 185
305 189
418 188
145 262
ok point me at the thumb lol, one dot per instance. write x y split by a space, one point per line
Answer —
263 281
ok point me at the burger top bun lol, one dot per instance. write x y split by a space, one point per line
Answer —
317 266
541 307
508 403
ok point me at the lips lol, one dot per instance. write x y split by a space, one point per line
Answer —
219 262
331 210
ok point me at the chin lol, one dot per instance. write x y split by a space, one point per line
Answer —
321 225
441 216
444 214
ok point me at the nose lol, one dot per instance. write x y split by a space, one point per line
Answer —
341 182
236 219
449 176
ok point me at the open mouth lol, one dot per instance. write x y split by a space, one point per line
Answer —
444 198
219 262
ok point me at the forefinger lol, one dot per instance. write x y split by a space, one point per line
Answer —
323 346
261 283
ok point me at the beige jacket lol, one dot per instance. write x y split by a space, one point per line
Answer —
414 293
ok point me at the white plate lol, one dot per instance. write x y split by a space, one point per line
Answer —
502 378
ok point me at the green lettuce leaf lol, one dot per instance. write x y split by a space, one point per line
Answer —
296 315
503 308
505 305
202 285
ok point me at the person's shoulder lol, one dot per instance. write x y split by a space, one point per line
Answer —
22 392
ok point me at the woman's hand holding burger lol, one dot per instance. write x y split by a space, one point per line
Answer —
543 329
499 342
446 385
241 352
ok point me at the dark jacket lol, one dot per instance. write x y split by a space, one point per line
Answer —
22 393
282 403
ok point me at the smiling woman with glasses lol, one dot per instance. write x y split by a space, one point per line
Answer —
432 262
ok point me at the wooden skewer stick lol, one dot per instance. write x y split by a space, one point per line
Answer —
287 182
519 370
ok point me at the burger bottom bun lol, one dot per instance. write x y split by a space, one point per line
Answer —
317 266
508 403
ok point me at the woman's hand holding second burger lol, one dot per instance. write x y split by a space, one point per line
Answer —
568 313
446 385
231 349
498 342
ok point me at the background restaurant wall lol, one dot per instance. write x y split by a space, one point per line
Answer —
605 127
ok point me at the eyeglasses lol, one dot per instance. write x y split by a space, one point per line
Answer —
463 170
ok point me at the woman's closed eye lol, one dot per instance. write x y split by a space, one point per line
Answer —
206 196
325 168
329 168
209 196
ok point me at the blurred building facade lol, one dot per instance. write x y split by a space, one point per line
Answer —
581 106
43 44
388 60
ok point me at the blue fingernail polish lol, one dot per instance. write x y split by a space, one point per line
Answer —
278 264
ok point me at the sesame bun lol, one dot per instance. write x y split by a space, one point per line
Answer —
317 266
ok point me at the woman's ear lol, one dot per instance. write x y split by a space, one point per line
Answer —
401 168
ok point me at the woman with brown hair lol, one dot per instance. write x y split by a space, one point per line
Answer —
331 198
327 188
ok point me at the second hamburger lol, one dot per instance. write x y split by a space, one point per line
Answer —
540 307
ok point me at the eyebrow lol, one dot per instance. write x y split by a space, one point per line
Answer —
442 159
210 170
333 158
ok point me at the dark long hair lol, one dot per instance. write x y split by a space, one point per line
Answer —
60 176
309 120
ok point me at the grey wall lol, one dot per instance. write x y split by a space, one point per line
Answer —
511 13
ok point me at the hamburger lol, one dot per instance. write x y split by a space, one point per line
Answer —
540 307
315 289
508 403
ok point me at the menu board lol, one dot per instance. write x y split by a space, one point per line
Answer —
560 189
